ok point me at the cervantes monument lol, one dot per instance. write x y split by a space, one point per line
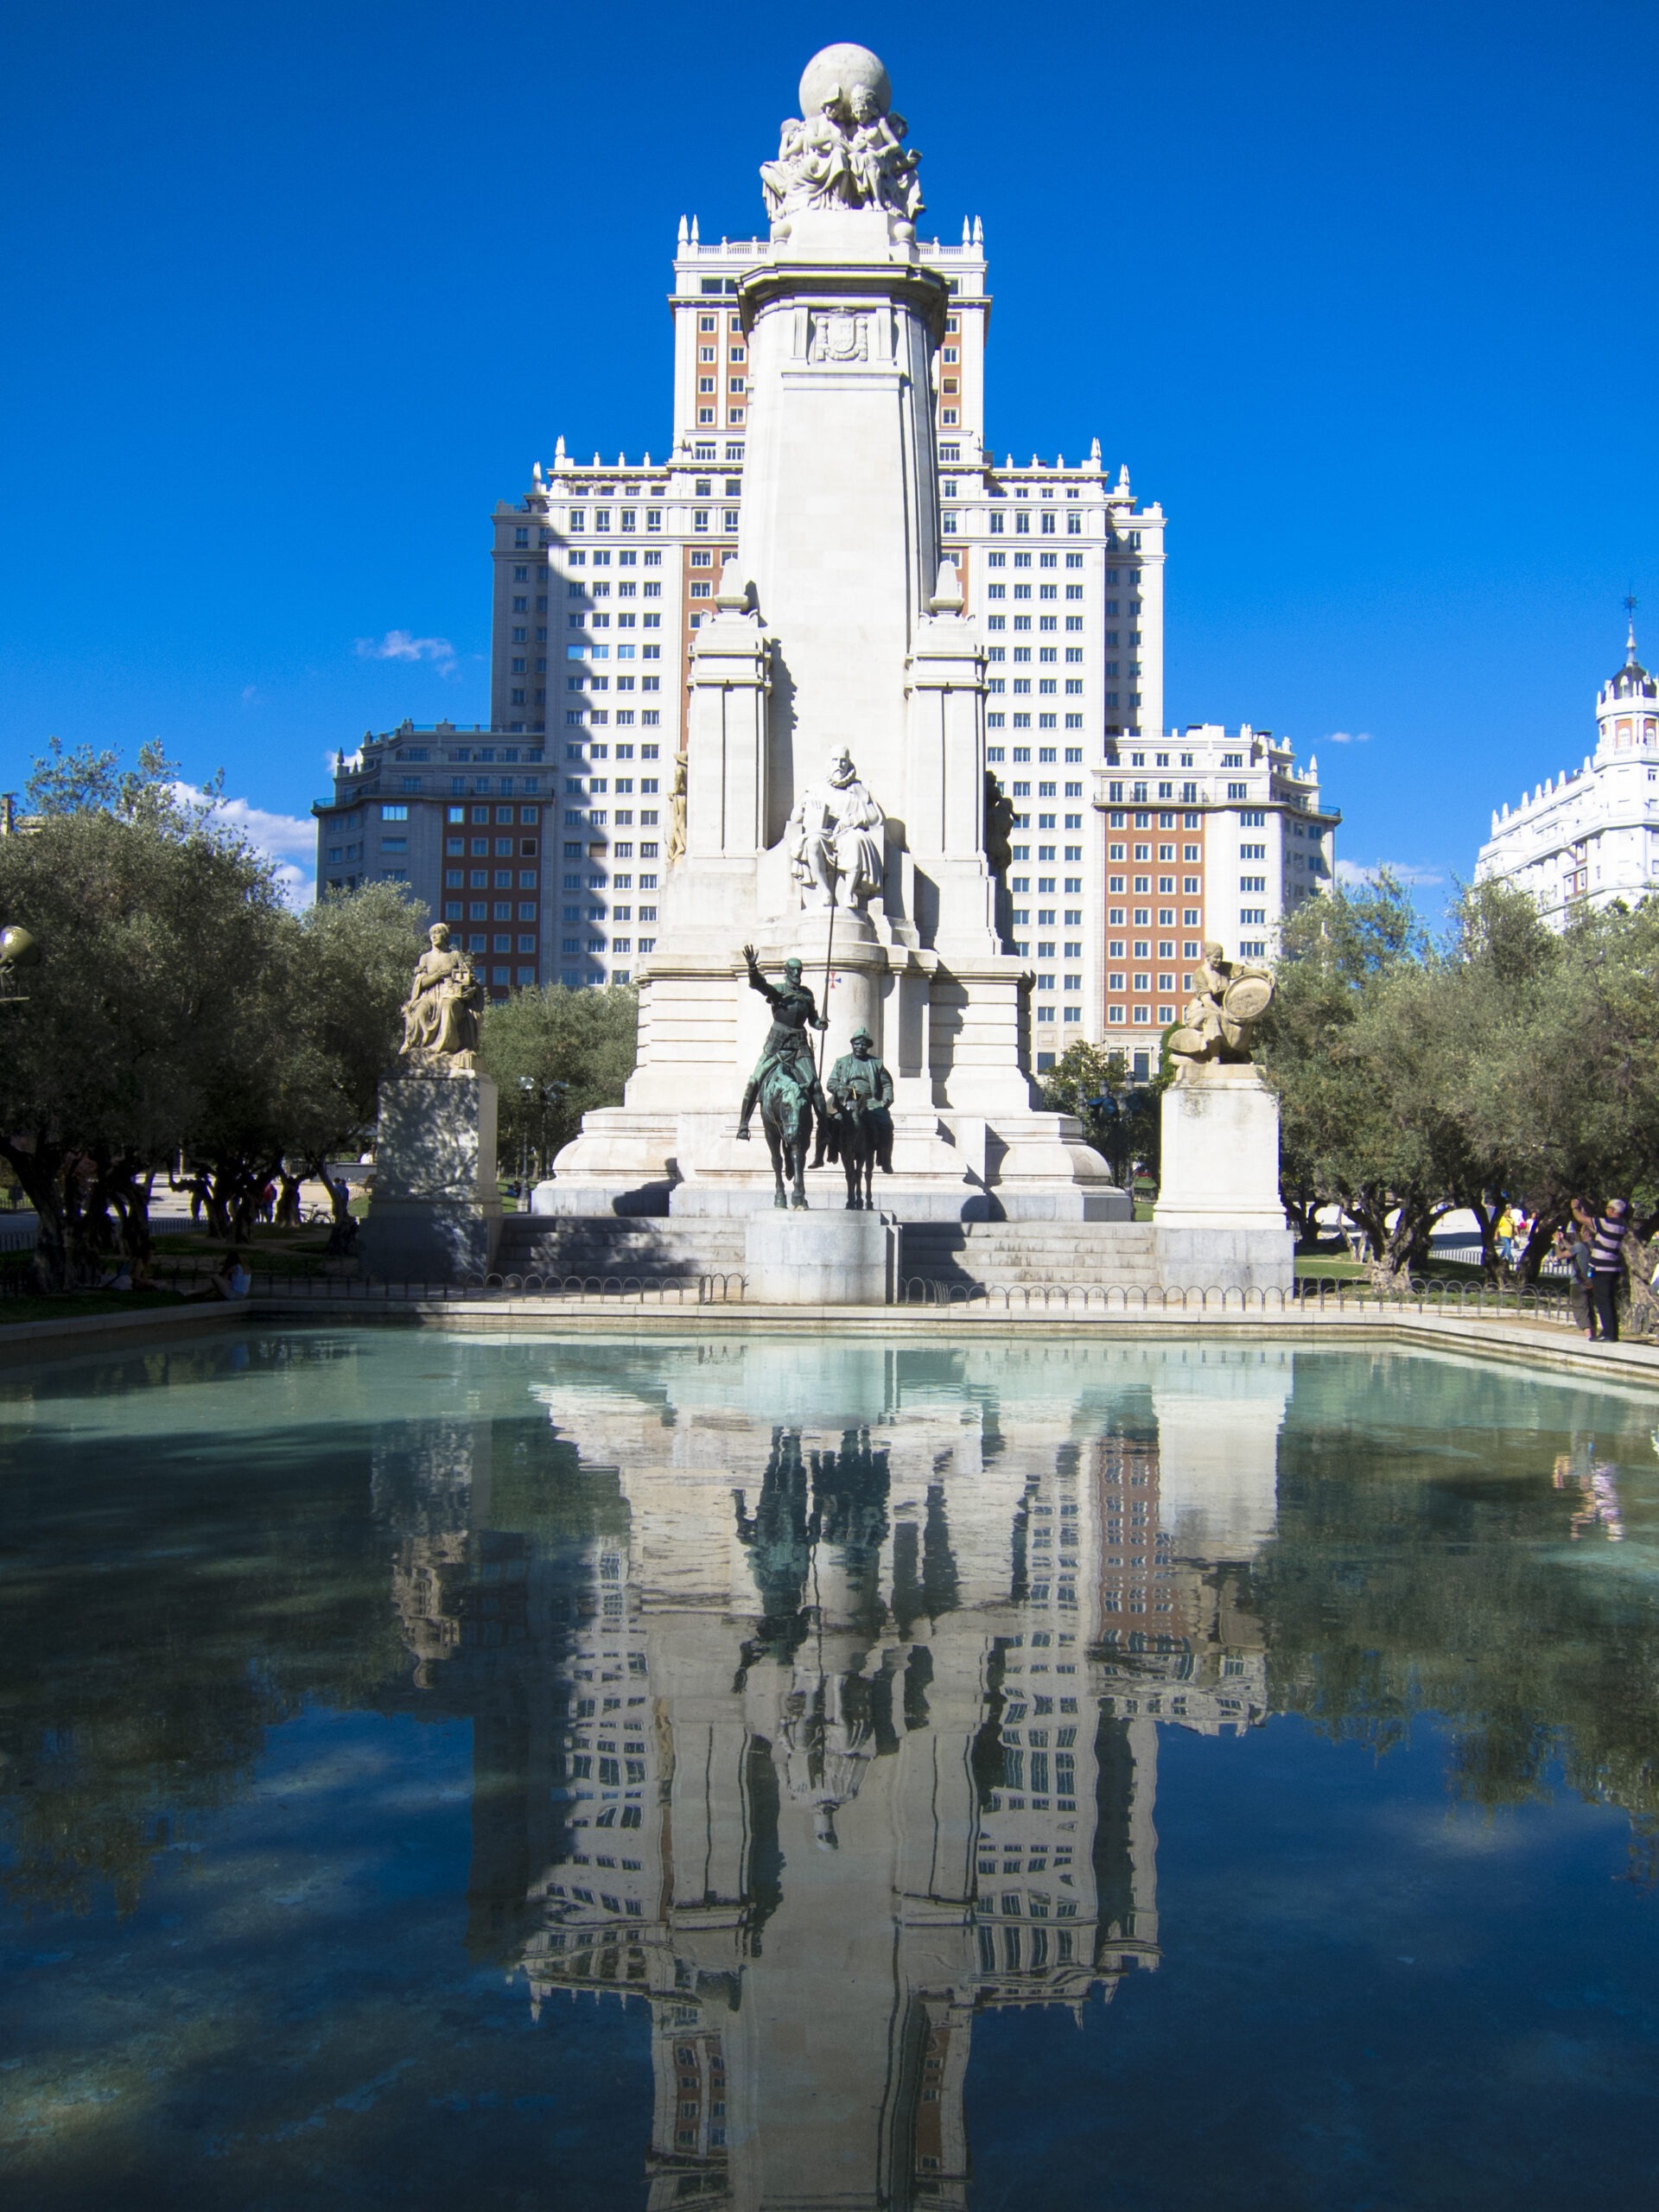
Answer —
836 790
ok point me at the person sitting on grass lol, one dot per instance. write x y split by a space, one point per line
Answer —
232 1280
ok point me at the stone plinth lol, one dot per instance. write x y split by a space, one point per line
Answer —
820 1259
433 1211
1218 1221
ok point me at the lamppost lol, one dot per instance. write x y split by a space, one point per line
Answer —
544 1094
17 950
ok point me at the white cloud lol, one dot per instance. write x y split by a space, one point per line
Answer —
288 839
1350 873
1348 737
401 644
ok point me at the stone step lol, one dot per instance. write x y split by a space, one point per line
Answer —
1009 1253
653 1250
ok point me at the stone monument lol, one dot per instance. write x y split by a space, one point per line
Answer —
1218 1221
839 624
433 1211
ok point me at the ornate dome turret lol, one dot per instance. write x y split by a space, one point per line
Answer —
1627 707
1632 681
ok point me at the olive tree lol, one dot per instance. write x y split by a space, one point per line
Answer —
180 1008
555 1054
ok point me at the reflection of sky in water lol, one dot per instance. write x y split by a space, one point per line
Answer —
757 1773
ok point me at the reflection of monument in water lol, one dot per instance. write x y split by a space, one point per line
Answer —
828 1735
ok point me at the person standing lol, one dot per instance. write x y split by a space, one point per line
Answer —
1606 1235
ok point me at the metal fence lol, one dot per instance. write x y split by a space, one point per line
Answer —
194 1275
1415 1293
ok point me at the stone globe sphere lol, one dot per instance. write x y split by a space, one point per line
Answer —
848 68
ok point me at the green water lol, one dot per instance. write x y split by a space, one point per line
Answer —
446 1771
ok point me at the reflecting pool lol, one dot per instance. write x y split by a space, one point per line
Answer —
451 1770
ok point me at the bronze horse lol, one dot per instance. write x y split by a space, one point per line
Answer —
786 1118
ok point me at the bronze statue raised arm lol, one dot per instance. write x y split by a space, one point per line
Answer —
794 1011
784 1080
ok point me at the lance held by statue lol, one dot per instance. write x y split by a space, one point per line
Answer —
786 1081
861 1133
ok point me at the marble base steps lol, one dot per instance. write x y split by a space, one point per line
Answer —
655 1249
993 1253
1000 1254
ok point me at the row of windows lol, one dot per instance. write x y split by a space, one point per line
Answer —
1044 753
999 720
1044 591
502 941
1048 524
577 556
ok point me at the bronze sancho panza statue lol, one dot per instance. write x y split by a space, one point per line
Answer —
860 1135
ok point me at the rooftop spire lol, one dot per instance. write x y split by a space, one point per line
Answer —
1630 640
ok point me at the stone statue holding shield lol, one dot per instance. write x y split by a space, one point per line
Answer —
1229 999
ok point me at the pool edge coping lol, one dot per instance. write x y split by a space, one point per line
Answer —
1511 1342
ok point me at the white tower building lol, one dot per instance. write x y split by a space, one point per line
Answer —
1591 834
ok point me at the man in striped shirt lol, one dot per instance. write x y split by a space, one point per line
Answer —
1606 1261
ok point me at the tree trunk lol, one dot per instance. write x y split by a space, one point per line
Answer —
1487 1218
1539 1240
40 1173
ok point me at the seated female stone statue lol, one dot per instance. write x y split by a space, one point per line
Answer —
441 1012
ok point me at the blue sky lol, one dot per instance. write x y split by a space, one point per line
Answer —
1363 296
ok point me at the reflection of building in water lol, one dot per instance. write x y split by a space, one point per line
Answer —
849 1728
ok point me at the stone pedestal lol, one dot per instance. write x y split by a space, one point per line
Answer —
1218 1221
434 1212
820 1259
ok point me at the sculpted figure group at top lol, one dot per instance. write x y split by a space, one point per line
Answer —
847 148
